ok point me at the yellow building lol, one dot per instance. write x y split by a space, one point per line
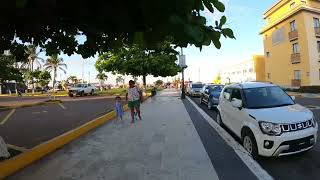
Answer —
249 70
292 43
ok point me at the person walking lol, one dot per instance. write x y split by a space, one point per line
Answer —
118 108
134 97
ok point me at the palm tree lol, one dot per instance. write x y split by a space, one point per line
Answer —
53 64
102 77
32 59
73 79
120 79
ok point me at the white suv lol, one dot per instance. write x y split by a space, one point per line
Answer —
267 120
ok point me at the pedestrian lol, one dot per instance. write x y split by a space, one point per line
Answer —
134 97
118 108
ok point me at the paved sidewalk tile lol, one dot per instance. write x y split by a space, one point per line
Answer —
164 145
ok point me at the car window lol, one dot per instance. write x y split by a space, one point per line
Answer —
227 94
197 85
267 97
236 93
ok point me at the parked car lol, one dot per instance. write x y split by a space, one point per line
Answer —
194 89
210 95
81 90
267 120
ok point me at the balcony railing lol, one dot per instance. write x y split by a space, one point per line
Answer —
317 31
293 35
295 58
296 82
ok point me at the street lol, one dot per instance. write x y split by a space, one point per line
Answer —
301 166
30 126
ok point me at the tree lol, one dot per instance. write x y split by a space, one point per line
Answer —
217 80
101 77
44 78
140 22
120 79
73 79
7 69
32 59
159 82
53 64
138 61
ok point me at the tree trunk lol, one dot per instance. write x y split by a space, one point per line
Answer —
101 88
32 79
54 79
144 80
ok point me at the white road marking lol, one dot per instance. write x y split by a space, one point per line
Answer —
7 117
21 149
62 106
240 151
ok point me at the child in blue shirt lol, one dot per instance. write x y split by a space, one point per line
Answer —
118 108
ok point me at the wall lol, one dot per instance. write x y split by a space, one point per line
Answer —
279 63
259 67
314 55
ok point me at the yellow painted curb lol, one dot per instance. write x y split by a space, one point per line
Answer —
12 165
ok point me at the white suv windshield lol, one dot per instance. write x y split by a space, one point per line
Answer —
266 97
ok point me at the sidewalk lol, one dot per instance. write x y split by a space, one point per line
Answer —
164 145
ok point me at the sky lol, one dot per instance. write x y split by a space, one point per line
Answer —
245 18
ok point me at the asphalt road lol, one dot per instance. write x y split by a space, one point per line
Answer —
30 126
301 166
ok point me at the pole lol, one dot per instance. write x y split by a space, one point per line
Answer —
183 94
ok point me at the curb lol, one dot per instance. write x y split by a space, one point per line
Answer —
12 165
29 105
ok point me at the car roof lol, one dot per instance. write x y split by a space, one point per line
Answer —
248 85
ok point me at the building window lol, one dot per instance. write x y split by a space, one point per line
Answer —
297 75
251 70
295 48
292 5
293 26
318 45
316 22
319 74
269 76
308 74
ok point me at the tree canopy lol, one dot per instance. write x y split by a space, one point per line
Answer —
8 71
106 24
137 61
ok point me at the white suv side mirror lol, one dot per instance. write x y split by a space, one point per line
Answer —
293 97
236 103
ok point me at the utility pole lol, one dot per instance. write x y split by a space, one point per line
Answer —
82 71
182 63
199 75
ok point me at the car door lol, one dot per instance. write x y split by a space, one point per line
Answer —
237 115
206 94
224 106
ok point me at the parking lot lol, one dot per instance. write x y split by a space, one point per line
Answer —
301 166
27 127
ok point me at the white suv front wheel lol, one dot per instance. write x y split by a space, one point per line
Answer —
249 143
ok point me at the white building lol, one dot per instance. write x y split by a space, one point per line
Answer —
250 70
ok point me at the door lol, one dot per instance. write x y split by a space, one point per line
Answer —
206 94
237 115
225 106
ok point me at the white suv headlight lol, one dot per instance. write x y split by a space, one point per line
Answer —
270 128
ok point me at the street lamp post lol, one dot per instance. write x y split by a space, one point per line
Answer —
182 64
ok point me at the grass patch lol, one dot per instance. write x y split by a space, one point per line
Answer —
113 92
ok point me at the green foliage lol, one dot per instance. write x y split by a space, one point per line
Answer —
102 76
73 79
137 61
143 22
158 82
44 78
8 71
